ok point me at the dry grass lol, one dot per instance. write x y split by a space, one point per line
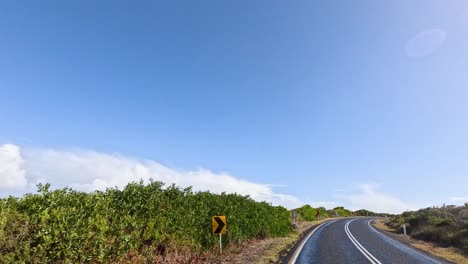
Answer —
380 224
452 254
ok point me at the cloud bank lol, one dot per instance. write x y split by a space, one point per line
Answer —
367 197
12 173
86 170
460 199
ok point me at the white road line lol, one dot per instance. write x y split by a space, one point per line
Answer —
299 249
400 244
363 248
363 253
358 245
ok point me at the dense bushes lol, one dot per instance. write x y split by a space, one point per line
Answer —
341 211
70 226
446 225
308 213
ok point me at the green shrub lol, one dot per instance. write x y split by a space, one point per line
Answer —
341 211
307 213
446 225
69 226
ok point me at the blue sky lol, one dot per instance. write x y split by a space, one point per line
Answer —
361 104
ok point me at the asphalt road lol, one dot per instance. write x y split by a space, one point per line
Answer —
356 241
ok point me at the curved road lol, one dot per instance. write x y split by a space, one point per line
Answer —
356 241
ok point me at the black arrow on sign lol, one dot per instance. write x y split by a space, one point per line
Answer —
220 225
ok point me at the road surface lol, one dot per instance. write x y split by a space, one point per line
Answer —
356 241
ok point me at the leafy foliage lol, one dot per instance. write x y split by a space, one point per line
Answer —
341 211
446 225
364 212
69 226
309 213
306 213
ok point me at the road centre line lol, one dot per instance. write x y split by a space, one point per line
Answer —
358 245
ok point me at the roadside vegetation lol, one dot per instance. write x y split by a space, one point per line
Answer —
144 223
309 213
363 212
141 223
446 226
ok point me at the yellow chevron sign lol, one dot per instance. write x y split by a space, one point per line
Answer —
219 224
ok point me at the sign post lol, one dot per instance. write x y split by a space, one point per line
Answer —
220 244
219 225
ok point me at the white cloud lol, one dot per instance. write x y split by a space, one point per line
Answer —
367 197
90 170
459 199
326 204
22 168
425 42
12 174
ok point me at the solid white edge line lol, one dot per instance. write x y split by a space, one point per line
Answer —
356 245
359 244
299 249
396 242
